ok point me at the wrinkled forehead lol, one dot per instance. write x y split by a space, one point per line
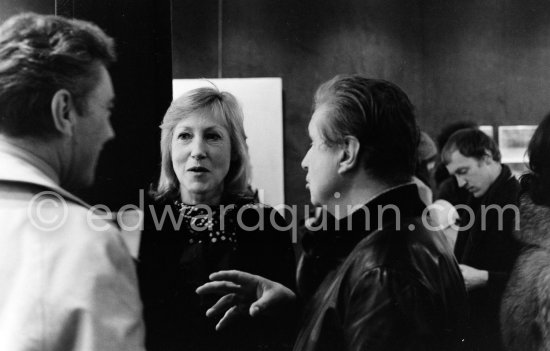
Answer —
458 160
318 119
204 117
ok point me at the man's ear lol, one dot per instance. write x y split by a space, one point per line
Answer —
350 154
63 112
488 159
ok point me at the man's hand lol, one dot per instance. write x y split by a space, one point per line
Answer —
245 293
474 278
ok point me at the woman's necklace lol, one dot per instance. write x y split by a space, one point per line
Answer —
204 223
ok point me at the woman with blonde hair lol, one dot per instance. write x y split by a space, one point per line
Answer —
204 219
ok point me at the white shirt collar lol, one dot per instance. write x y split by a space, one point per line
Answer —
19 165
32 160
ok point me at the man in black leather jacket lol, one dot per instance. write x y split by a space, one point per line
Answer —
374 275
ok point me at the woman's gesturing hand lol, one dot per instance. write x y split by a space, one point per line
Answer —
245 293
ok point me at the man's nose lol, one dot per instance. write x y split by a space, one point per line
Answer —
303 164
110 132
461 182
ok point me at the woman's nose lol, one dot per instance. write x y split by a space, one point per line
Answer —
198 150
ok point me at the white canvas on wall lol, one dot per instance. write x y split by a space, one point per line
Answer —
262 102
513 142
487 130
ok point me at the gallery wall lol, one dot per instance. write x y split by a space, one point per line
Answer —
480 60
305 43
486 61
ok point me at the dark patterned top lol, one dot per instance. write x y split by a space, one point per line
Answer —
178 254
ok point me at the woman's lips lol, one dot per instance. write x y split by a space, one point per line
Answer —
197 169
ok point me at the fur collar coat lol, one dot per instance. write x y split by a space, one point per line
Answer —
525 317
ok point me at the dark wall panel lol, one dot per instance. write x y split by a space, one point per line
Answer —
195 38
486 61
142 78
11 7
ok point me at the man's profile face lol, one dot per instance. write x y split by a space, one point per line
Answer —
471 173
321 162
93 129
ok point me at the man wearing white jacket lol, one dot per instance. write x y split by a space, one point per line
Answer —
67 281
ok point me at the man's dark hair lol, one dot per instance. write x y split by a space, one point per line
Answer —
39 55
470 143
450 129
537 182
441 172
380 115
